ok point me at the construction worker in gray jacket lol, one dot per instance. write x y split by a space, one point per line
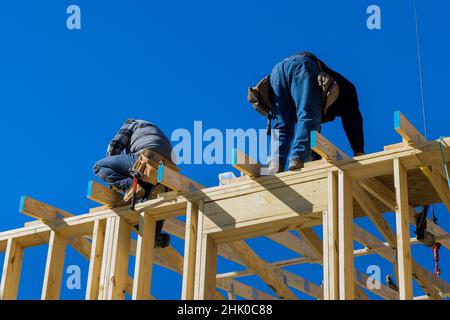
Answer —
133 138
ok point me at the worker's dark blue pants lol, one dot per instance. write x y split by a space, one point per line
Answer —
297 104
115 171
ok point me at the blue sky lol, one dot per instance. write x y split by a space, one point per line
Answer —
63 94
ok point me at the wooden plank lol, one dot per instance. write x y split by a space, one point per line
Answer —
206 263
346 259
267 208
387 197
245 164
95 261
300 284
263 270
326 149
294 243
439 185
118 273
176 181
12 267
54 267
408 132
373 213
101 194
40 210
49 214
312 239
144 258
402 223
190 251
331 241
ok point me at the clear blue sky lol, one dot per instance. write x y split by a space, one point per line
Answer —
63 94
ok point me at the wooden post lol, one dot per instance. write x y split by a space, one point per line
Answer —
144 258
106 259
118 273
346 258
205 288
205 263
95 261
190 249
402 224
330 241
11 270
54 267
114 273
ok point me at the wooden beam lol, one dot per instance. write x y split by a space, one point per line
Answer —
12 267
263 270
374 214
387 197
54 267
144 258
439 185
190 251
95 261
245 164
326 149
49 214
312 239
408 132
206 264
118 272
346 259
104 195
331 241
40 210
402 223
176 181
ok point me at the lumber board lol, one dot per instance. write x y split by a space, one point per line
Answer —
326 149
12 267
385 195
269 208
408 132
331 240
345 236
439 185
263 270
42 211
190 251
206 264
245 164
144 258
176 181
95 260
54 267
101 194
118 269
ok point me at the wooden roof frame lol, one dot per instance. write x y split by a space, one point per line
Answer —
219 219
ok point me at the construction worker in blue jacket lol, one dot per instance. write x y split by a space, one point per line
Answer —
297 104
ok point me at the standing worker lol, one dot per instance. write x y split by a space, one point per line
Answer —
300 94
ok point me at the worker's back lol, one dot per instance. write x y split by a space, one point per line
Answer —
148 136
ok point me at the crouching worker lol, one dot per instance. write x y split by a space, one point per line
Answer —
133 138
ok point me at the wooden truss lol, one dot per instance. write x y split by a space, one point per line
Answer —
332 192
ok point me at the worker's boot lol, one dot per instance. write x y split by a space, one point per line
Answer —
295 164
162 240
